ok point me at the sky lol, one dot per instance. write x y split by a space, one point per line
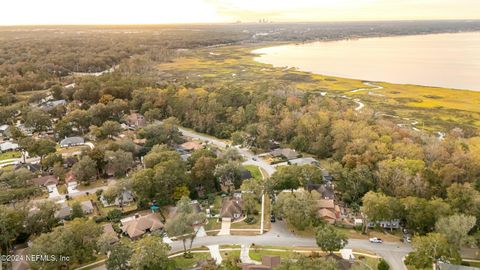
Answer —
32 12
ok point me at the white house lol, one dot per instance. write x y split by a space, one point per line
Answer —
72 141
8 146
386 224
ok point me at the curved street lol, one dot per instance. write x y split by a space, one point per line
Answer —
279 236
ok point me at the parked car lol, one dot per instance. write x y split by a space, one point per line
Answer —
375 240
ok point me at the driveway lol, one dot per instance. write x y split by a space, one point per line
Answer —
215 253
225 230
53 192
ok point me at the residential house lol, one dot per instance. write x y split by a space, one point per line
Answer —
328 210
135 120
52 104
45 181
63 212
28 131
305 161
126 198
386 224
232 208
87 207
268 263
72 141
191 146
32 167
8 146
69 162
108 229
140 225
285 152
326 192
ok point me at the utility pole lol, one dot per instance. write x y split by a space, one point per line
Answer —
263 214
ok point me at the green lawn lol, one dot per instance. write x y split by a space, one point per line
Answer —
212 224
365 264
255 171
185 263
10 155
257 255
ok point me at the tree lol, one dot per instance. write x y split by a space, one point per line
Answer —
118 162
401 177
421 214
197 154
119 258
203 173
85 169
186 222
114 215
41 220
299 209
232 154
354 183
39 147
254 187
51 159
383 265
37 119
429 249
78 241
166 133
11 221
286 177
456 228
159 153
16 179
464 198
77 211
151 254
97 154
330 239
108 129
379 207
229 175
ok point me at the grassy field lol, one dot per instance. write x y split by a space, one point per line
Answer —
255 171
185 263
10 155
436 109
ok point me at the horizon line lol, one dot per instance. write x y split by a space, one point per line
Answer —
240 22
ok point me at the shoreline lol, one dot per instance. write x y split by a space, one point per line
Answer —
259 53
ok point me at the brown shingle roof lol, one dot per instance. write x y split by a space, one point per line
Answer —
141 225
45 180
231 207
322 203
192 145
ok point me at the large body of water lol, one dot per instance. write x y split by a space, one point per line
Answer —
442 60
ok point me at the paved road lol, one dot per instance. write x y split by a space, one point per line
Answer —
393 253
250 158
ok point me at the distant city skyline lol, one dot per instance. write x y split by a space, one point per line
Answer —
33 12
